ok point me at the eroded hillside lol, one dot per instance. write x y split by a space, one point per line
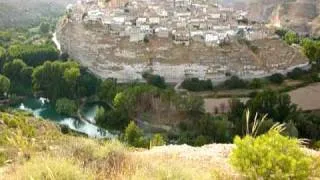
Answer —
299 15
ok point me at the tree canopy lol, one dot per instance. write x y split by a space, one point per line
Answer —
4 84
56 79
33 55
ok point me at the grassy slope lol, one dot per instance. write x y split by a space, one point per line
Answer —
25 141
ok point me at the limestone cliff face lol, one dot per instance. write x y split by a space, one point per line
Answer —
108 55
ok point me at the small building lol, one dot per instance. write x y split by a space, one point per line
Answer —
162 32
181 37
211 39
136 36
154 20
140 21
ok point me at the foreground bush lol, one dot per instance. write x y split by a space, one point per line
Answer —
270 156
48 168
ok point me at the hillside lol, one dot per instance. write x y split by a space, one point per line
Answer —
20 13
29 140
25 141
299 15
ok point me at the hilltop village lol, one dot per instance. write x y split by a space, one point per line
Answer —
182 21
176 39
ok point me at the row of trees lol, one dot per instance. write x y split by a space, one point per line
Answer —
33 55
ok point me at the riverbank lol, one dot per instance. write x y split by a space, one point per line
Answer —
42 109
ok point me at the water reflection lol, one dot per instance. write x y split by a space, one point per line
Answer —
41 108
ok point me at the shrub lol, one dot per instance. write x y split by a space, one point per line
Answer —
235 83
270 156
256 83
3 158
291 38
155 80
200 141
194 84
296 73
133 135
51 168
66 106
281 32
277 78
157 140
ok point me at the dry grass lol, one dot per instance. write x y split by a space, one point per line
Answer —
55 156
50 168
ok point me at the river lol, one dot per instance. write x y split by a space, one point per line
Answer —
41 108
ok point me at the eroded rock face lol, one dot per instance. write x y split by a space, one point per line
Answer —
110 55
299 15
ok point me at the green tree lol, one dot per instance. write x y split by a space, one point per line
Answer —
66 107
276 105
108 90
2 56
270 156
157 140
235 83
44 27
4 84
195 84
291 38
100 116
311 49
155 80
16 70
193 105
56 79
33 55
88 83
133 135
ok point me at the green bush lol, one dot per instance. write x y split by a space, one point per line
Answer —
194 84
200 141
157 140
291 38
133 135
256 83
66 107
276 78
155 80
270 156
296 73
235 83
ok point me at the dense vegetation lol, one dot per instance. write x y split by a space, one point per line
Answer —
33 55
265 157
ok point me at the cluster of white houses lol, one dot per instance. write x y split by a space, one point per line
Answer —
181 21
